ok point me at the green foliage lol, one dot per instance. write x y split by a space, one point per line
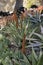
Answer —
11 42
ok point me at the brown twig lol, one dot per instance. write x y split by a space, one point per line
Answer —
23 44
